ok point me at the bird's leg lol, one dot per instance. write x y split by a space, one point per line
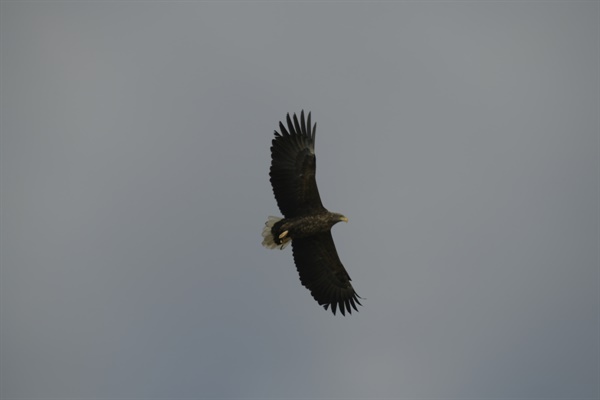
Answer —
284 238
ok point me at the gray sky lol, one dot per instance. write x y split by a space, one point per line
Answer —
460 138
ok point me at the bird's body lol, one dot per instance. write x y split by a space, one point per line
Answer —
307 224
303 226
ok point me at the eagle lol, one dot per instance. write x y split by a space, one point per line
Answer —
306 223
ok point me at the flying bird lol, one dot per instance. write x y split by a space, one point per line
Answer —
306 223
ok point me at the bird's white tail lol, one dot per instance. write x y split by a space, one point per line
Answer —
269 240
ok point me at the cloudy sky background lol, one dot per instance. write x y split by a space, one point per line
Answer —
460 138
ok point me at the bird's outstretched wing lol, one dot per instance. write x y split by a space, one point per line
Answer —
322 272
293 168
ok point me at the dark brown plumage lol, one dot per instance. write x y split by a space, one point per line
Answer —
306 223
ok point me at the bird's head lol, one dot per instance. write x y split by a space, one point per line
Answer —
338 218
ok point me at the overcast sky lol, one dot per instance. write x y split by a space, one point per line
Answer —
460 138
